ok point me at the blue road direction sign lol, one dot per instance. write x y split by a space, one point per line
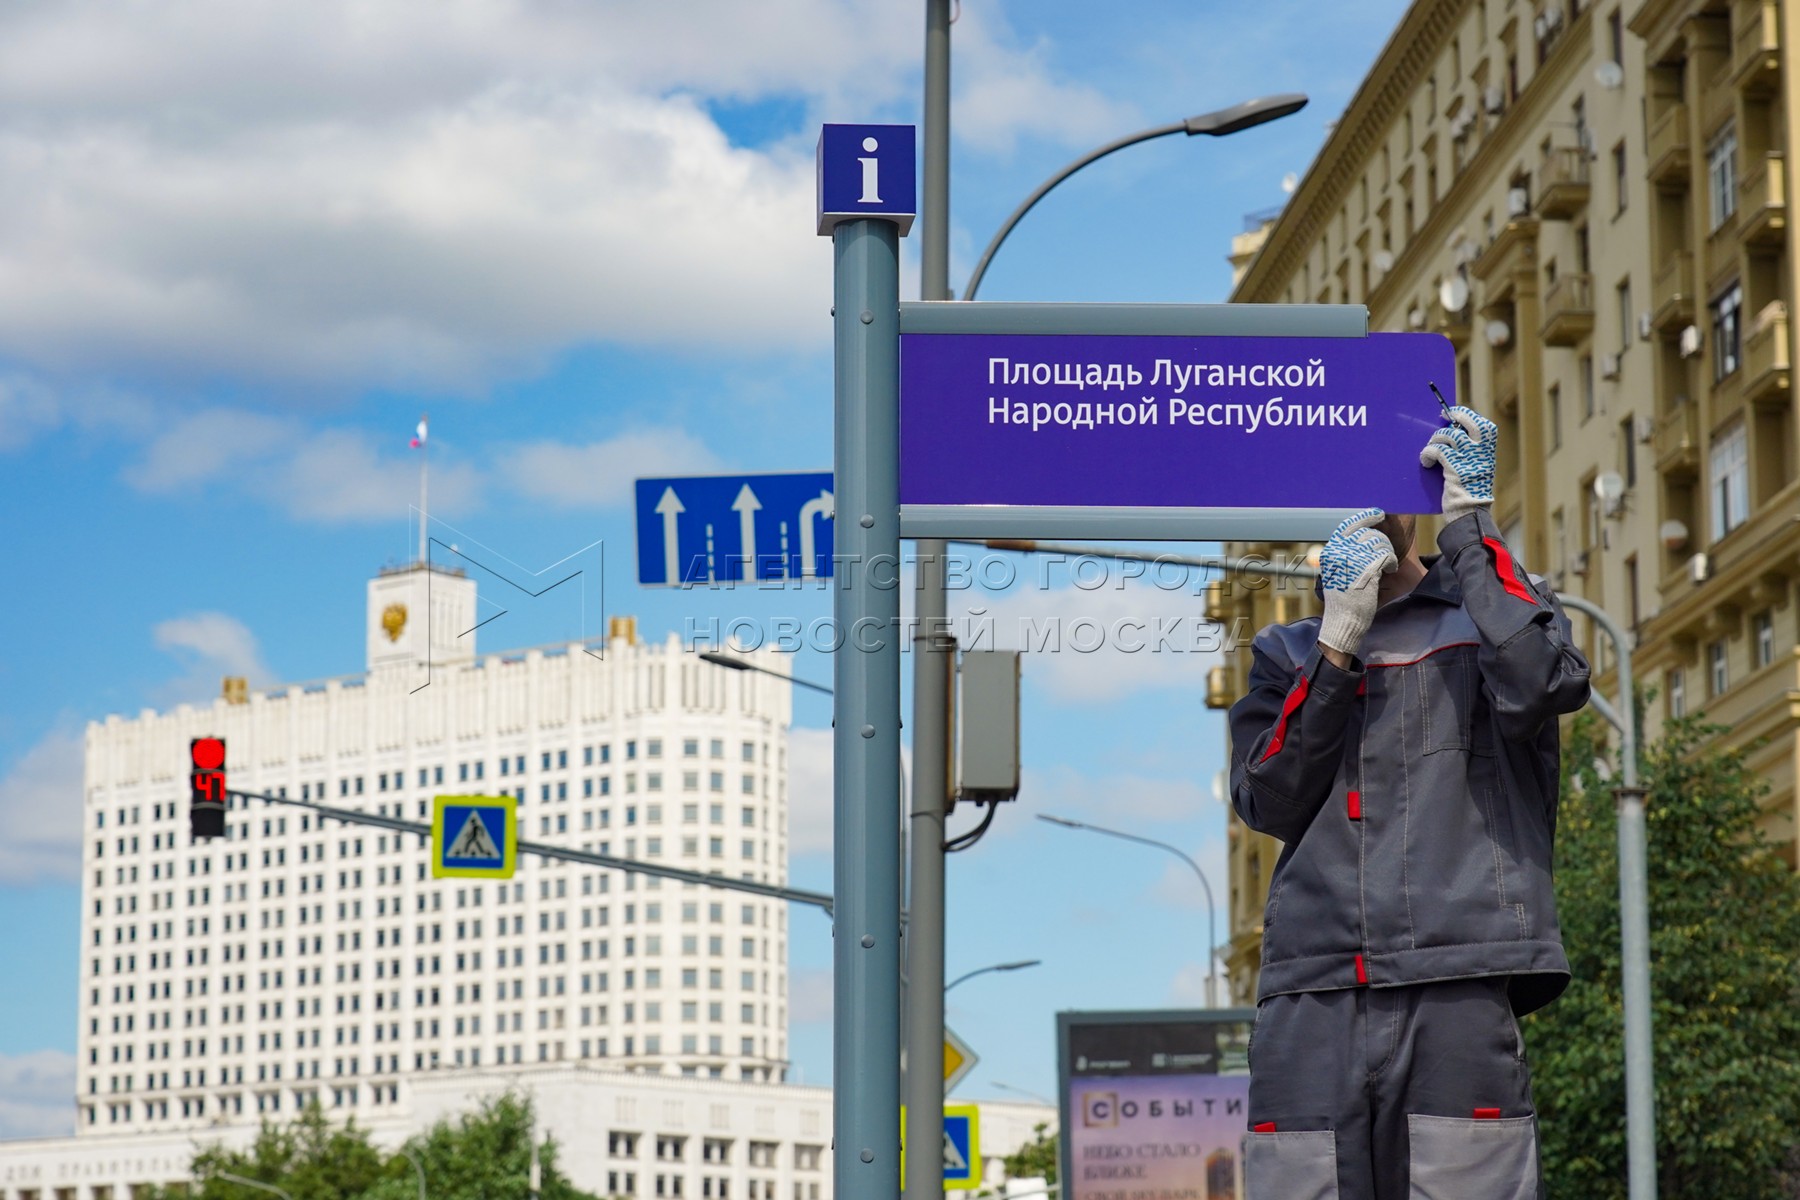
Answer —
474 837
867 171
708 529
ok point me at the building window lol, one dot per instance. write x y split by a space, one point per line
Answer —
1553 399
1615 36
1623 295
1619 178
1721 174
1677 694
1730 482
1765 638
1718 673
1727 330
1628 450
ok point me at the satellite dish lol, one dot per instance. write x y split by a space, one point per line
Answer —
1384 260
1416 318
1610 76
1453 294
1289 182
1674 534
1609 487
1498 333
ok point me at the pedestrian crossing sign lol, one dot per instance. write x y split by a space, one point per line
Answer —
962 1147
474 837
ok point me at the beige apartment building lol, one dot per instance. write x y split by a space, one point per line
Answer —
1588 198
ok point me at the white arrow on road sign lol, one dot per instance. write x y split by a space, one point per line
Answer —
746 506
670 507
820 506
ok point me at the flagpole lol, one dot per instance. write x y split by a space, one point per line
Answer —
424 451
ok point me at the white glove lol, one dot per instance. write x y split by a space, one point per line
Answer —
1350 571
1465 449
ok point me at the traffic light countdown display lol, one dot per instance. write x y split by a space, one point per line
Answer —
206 809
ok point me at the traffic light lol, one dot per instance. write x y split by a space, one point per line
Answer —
206 810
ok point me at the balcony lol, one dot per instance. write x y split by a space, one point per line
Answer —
1672 292
1762 203
1512 252
1767 372
1568 310
1453 325
1677 442
1563 176
1669 157
1755 56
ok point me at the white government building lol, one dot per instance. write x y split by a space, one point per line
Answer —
301 960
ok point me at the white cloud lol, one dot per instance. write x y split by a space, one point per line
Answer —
210 645
37 1094
1109 642
27 408
324 195
1112 798
600 474
324 475
40 809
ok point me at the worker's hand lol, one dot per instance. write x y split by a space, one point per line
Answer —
1465 449
1350 571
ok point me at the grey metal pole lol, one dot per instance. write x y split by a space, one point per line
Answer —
934 653
1634 921
866 714
417 1168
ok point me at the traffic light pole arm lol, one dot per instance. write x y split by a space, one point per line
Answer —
563 853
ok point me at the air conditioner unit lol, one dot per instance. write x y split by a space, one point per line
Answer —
1690 341
1494 100
1579 565
1518 202
1699 568
1609 366
1644 326
1644 427
1553 17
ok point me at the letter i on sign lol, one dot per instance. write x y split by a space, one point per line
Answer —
871 174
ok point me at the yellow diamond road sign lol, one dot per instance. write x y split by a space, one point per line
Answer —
959 1059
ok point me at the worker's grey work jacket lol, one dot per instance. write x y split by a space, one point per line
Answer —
1416 793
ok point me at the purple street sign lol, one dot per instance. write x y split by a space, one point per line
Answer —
1172 422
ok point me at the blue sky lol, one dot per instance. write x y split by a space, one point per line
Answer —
240 253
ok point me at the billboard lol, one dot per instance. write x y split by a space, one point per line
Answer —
1154 1104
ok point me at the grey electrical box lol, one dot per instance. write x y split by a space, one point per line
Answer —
988 720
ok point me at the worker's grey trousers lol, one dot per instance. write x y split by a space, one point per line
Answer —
1392 1093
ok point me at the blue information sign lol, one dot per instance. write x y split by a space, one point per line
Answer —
867 171
706 529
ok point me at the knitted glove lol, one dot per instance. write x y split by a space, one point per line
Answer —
1350 571
1466 452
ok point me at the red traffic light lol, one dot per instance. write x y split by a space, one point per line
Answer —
208 753
206 806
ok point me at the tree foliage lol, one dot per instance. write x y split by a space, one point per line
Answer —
481 1155
1036 1158
1725 979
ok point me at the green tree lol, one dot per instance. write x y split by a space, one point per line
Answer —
1725 977
481 1155
309 1159
1036 1158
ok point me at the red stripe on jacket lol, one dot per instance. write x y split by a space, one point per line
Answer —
1288 708
1508 571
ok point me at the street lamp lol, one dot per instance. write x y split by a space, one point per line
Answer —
1212 930
1007 1087
254 1183
1009 966
416 1167
1213 124
732 663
